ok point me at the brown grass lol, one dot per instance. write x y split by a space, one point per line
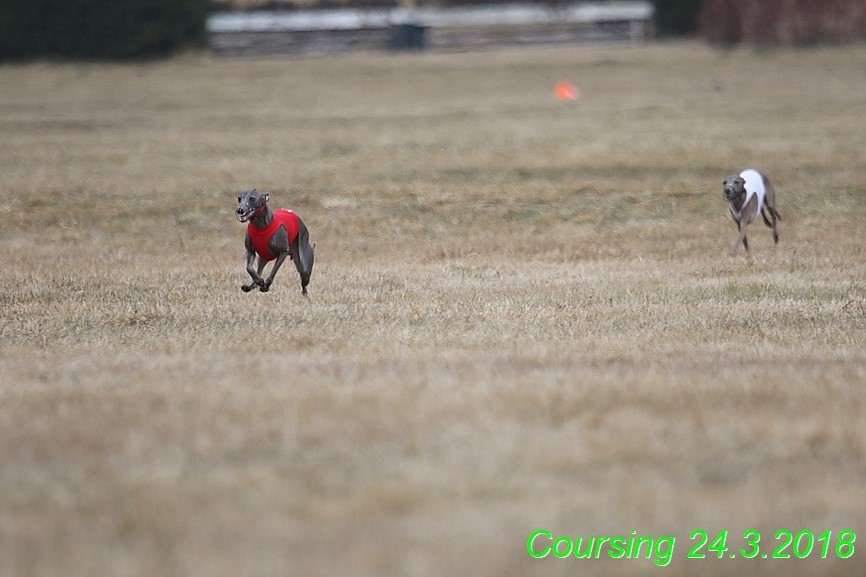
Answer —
523 314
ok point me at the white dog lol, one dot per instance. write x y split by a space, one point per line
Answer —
749 194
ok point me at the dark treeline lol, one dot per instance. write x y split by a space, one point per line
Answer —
138 29
782 22
100 29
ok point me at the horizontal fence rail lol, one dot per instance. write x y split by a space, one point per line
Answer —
311 31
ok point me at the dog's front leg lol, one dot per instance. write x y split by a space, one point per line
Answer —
266 285
741 239
255 275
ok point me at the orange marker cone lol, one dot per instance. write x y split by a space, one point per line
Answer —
566 91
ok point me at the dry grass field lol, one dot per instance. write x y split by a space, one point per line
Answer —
524 313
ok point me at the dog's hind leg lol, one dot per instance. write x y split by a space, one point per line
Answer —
303 254
774 217
764 216
767 221
770 204
771 221
770 198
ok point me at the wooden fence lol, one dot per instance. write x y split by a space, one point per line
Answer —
459 28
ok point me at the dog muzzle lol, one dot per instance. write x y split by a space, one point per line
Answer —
242 215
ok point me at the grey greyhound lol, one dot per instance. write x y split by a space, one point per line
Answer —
748 194
273 235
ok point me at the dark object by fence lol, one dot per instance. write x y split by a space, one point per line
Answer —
407 36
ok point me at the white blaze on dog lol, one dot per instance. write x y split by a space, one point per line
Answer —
754 186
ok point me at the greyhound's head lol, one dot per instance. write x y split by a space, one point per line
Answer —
250 203
733 186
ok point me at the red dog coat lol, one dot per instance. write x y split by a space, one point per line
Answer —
261 236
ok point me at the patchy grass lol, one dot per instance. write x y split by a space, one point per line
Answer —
523 314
